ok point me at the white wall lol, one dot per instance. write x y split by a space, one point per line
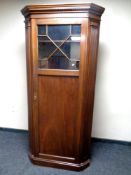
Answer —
112 111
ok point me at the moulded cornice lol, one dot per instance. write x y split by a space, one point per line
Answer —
63 8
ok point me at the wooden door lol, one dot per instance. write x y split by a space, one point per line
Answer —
57 52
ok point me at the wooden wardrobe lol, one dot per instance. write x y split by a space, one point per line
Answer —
61 51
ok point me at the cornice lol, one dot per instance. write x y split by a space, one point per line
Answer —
63 8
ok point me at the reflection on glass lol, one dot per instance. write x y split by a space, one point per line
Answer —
72 50
59 46
75 38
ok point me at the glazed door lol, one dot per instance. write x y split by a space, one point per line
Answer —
57 52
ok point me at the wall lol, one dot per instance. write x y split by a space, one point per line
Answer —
112 111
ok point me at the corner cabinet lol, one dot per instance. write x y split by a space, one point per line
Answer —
61 51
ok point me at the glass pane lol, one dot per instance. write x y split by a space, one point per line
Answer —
66 49
46 47
58 61
74 65
58 43
59 47
58 32
43 39
43 63
58 64
72 50
41 30
75 29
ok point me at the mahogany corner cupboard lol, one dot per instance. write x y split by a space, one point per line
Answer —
61 51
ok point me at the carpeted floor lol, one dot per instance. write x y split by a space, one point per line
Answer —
107 158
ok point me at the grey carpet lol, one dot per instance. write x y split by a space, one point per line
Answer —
107 158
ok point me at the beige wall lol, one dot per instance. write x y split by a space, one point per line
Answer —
112 108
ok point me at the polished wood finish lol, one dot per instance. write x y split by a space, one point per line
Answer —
61 101
58 72
57 120
90 8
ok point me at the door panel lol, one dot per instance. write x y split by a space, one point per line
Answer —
57 111
56 85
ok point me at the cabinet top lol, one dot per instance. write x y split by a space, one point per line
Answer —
63 8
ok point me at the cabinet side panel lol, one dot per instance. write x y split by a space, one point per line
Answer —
89 88
58 104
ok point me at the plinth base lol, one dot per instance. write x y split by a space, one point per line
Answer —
59 164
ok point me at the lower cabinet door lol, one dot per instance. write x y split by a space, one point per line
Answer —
57 116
